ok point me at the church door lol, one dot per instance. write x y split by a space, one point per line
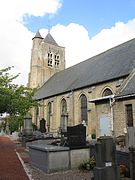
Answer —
104 125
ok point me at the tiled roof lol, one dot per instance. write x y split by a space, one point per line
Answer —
49 39
114 63
38 35
128 90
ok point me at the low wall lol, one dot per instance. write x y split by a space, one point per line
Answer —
51 158
78 156
123 158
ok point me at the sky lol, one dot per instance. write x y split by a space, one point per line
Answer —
84 27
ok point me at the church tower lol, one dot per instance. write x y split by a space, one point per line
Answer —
47 58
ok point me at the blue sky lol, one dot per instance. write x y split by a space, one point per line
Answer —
84 27
94 15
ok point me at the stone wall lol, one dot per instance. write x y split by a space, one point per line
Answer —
73 107
120 123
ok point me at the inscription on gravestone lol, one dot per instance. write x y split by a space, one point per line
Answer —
76 136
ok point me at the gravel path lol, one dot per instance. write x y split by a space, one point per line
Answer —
37 174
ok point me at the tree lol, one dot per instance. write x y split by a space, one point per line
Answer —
16 100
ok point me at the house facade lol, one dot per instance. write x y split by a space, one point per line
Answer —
98 91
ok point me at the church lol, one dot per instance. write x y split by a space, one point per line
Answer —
99 92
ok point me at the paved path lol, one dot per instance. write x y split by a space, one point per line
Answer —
10 165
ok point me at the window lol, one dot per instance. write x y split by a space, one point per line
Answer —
49 113
84 110
50 59
107 92
64 115
37 114
129 115
57 59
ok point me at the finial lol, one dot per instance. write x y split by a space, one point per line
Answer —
49 26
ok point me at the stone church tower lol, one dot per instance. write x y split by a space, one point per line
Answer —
47 58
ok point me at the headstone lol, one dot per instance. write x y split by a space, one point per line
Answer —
76 136
2 132
38 135
132 162
27 131
106 164
42 125
7 128
15 135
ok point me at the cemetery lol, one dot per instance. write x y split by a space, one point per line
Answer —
114 157
109 158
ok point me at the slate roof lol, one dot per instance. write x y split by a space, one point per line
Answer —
49 39
114 63
129 90
37 35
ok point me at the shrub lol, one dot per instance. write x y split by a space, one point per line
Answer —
88 164
93 135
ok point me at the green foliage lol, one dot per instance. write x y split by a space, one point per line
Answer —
88 164
14 122
15 100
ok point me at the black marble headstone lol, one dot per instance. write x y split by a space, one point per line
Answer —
76 136
42 125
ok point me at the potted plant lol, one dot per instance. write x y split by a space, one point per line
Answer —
93 135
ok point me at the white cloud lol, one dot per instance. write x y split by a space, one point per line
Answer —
16 43
15 38
114 36
16 9
79 46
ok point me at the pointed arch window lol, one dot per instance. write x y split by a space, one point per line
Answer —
129 115
49 114
107 92
64 115
84 109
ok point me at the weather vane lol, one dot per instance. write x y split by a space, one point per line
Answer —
49 26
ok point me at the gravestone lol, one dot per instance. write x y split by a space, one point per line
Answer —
42 125
7 128
27 131
76 136
106 164
132 162
27 128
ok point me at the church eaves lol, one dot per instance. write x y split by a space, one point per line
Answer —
112 64
50 40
